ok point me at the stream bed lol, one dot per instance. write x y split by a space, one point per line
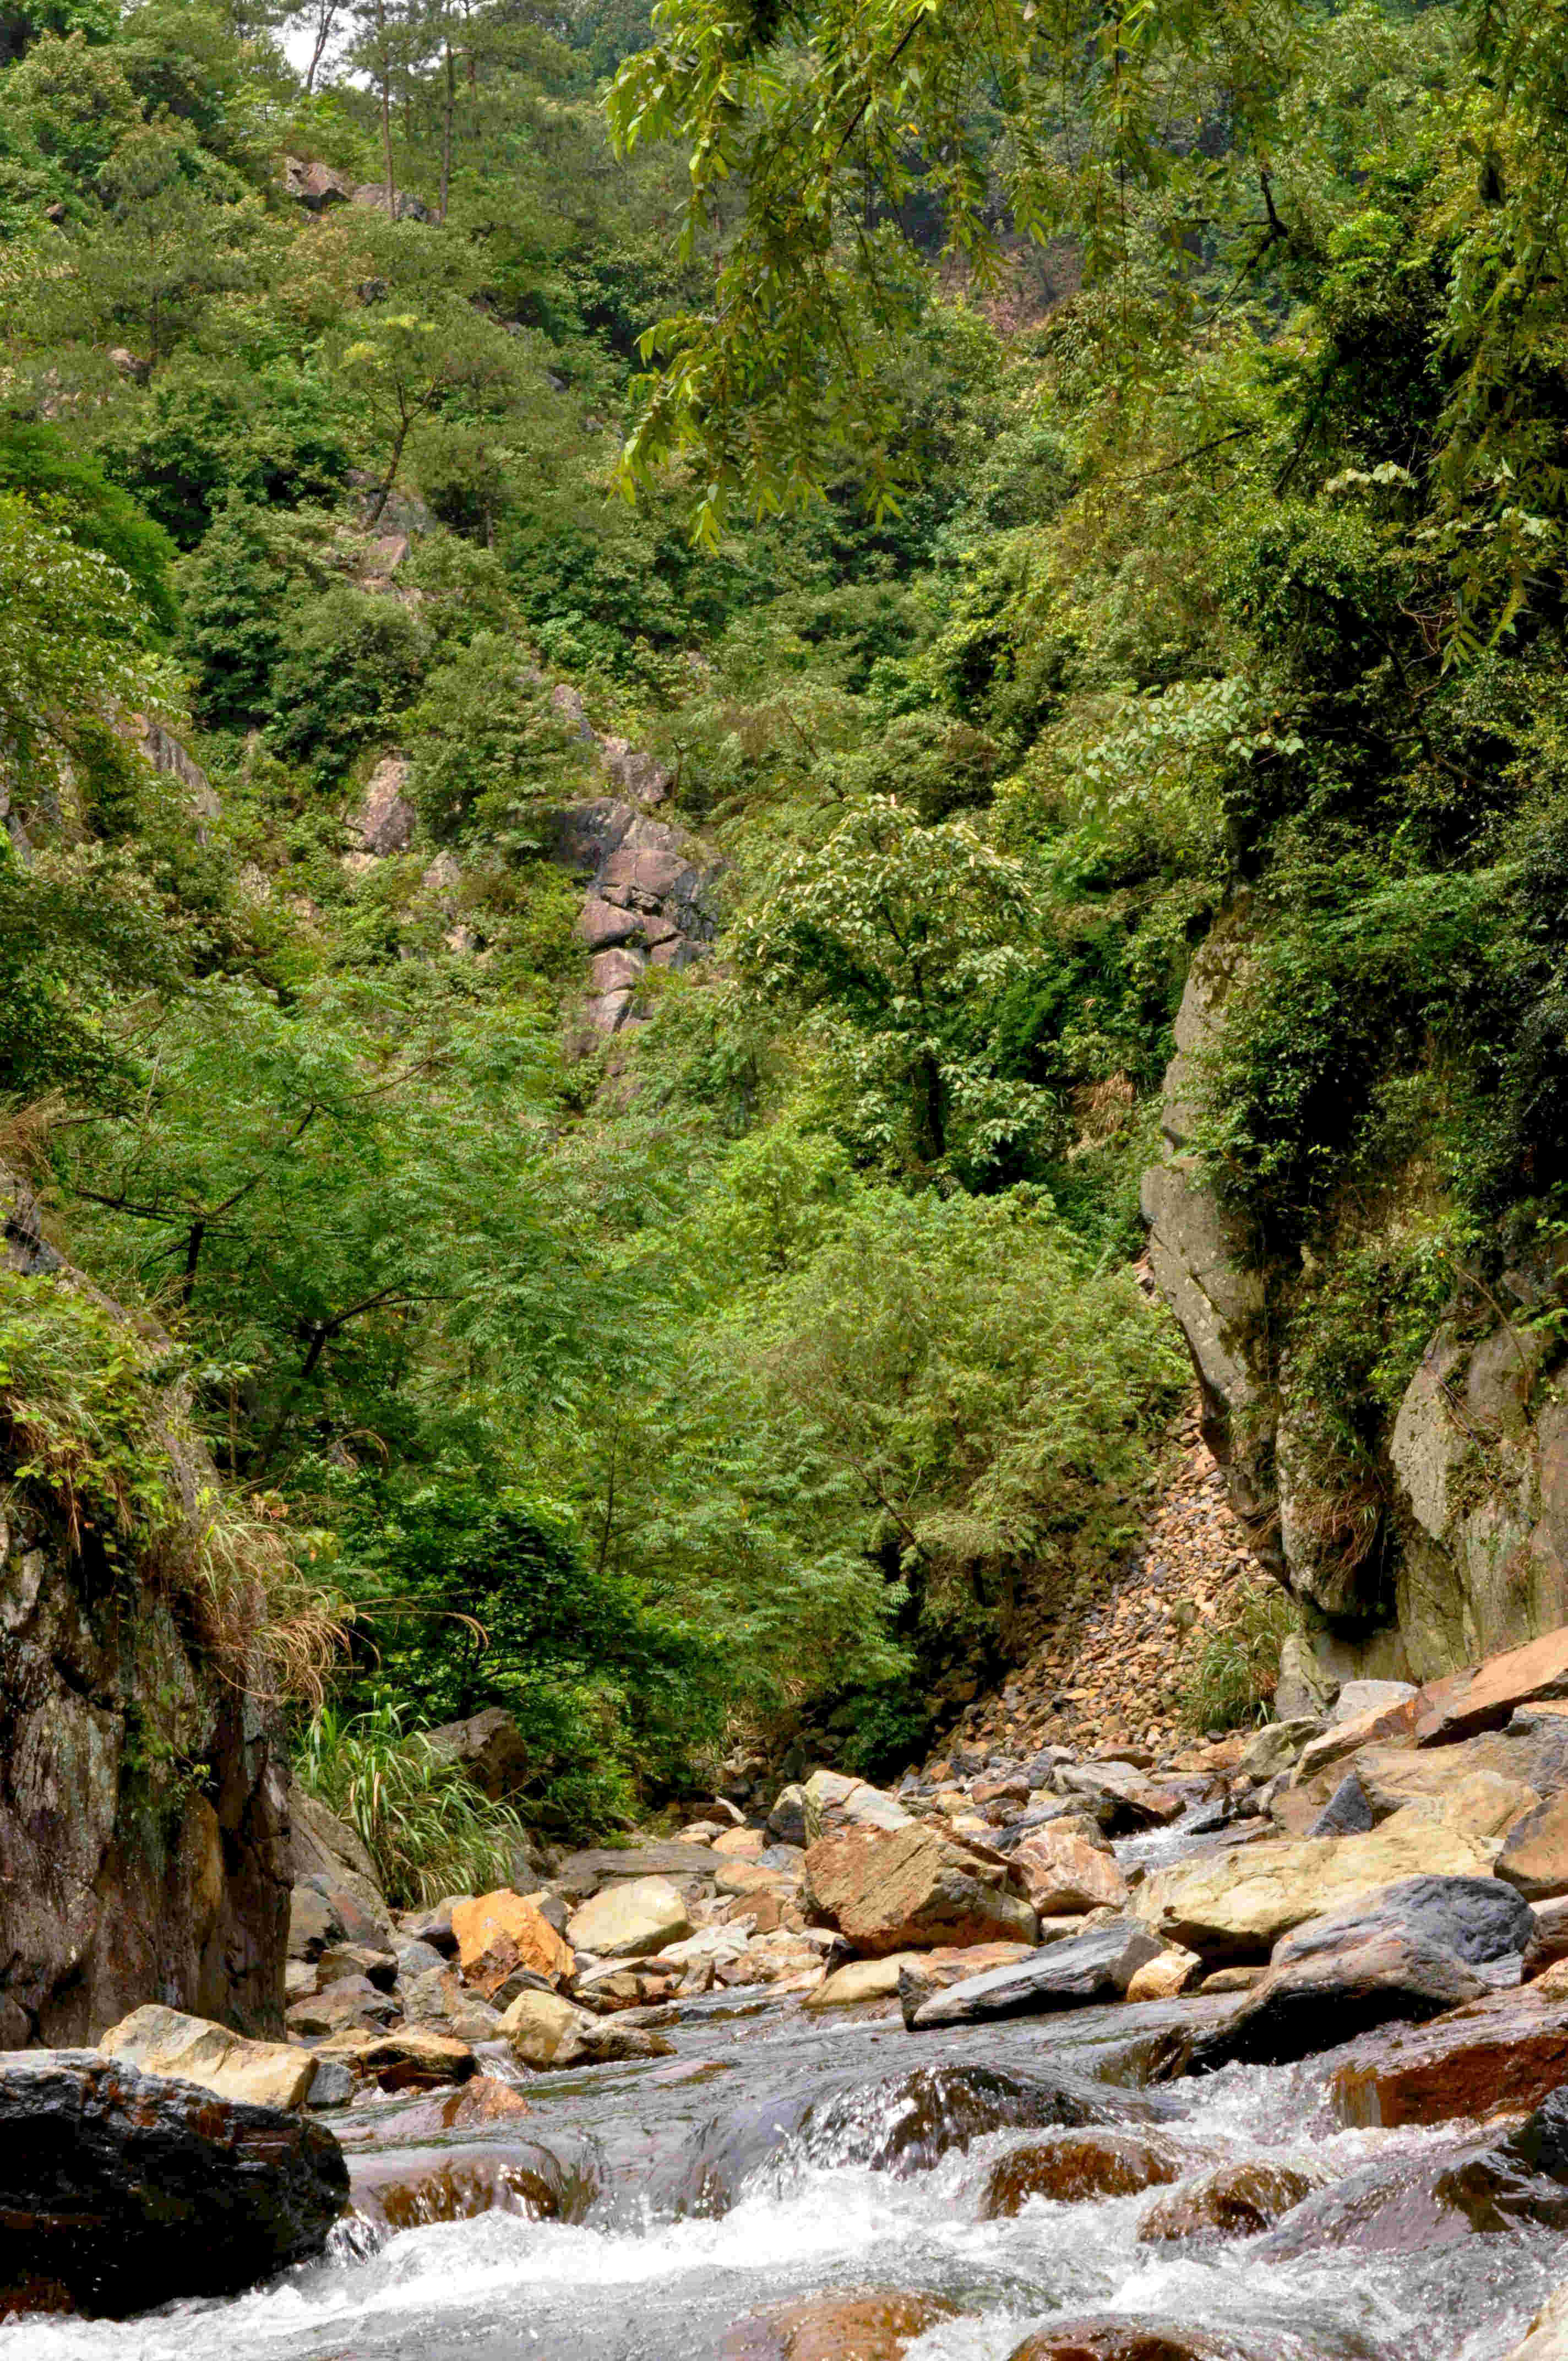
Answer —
780 2155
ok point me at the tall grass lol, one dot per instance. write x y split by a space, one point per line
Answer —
427 1827
1237 1672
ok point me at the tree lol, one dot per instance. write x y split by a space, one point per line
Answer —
406 368
895 946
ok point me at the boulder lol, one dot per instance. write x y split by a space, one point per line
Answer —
1505 2053
1096 1966
437 1999
1234 2200
1306 1687
1121 1799
1484 1698
888 1978
626 1922
164 2041
1171 1972
1394 1724
545 2031
499 1933
352 2001
910 1889
478 2105
121 2190
410 2057
786 1821
1321 1997
408 2189
1534 1859
313 1923
833 1803
869 2324
1276 1745
378 1967
584 1873
1101 2336
1063 1872
489 1748
323 1848
1241 1903
1073 2166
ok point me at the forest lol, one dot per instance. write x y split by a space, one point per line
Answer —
1035 484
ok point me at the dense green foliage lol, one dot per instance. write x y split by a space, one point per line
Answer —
777 1365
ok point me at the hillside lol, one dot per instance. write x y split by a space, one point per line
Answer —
596 930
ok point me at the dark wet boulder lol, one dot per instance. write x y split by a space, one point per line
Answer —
1413 1950
1094 1967
1412 2204
1235 2201
1506 2052
1106 2338
122 2191
1073 2167
862 2324
410 2187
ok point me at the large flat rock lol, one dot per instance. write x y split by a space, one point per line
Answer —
1236 1905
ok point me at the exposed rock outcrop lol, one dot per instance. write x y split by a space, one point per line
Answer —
144 1795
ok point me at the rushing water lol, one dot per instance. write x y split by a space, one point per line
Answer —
779 2155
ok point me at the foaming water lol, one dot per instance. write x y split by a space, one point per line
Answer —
836 2158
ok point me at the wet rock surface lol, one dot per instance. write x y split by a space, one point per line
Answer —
119 2190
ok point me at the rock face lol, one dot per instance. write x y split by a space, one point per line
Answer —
1473 1552
125 1877
121 2190
907 1890
650 900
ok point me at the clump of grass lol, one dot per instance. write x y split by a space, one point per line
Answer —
427 1827
95 1425
1237 1672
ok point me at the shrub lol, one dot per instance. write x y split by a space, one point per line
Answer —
1238 1670
424 1824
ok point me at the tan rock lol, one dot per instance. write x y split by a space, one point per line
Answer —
625 1921
545 2031
868 2324
1241 1903
499 1933
1486 1698
910 1889
1535 1855
1232 1980
193 2049
1548 2338
834 1802
1174 1972
1065 1873
742 1844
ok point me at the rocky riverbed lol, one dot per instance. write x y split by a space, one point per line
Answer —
1254 2052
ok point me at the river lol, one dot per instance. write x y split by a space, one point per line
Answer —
780 2155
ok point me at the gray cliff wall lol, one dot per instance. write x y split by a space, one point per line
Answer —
1471 1543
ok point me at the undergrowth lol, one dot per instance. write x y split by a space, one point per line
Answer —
1238 1670
429 1830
